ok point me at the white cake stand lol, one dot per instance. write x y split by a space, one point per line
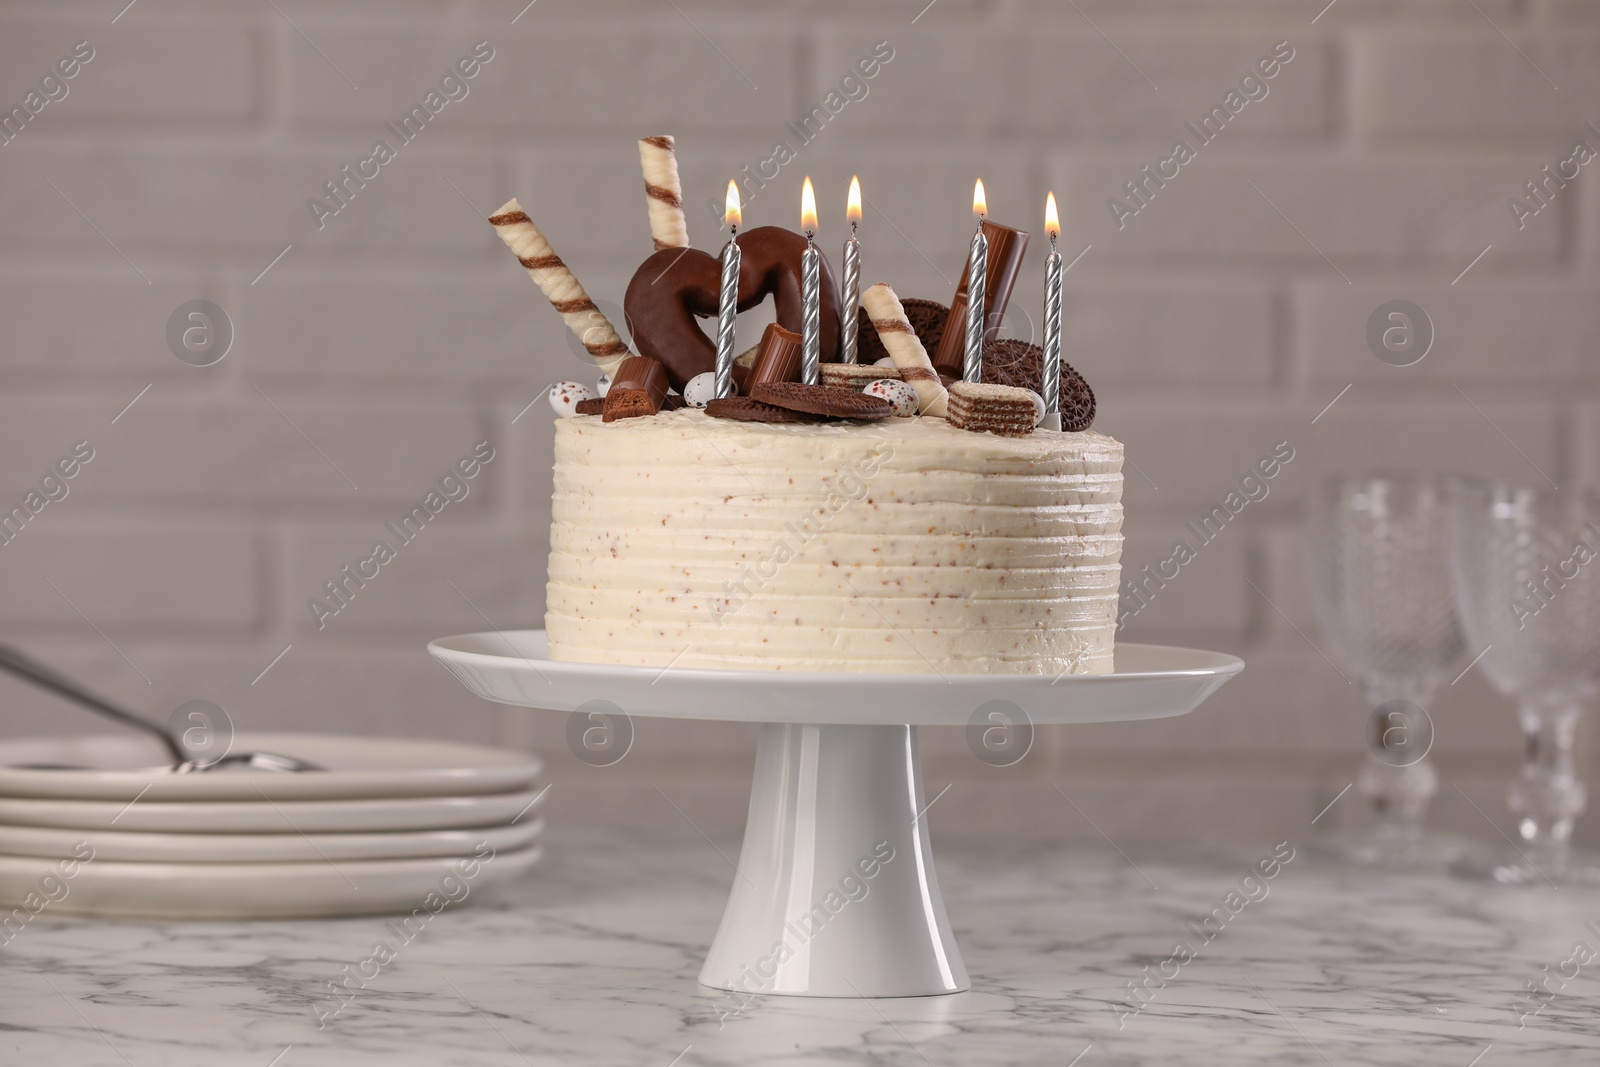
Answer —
835 894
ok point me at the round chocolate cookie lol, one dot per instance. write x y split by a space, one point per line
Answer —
927 322
833 401
744 409
1009 361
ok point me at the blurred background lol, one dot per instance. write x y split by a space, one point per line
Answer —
1220 316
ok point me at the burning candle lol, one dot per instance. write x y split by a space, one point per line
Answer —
728 304
1051 383
810 290
851 296
977 276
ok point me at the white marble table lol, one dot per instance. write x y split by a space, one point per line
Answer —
592 958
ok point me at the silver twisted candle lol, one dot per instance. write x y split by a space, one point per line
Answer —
810 305
728 299
810 291
1051 390
851 298
850 291
977 276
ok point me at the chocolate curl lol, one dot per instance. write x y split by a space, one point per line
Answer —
559 286
659 161
910 358
1003 264
639 388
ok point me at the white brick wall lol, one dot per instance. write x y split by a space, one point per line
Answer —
399 333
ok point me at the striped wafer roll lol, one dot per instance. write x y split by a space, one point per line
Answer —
660 162
910 358
564 292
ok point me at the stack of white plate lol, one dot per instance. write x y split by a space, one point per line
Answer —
98 826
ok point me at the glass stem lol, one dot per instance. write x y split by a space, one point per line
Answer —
1547 796
1397 779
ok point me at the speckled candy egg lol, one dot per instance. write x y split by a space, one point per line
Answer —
603 386
700 390
897 393
564 397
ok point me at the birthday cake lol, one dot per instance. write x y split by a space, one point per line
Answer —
795 509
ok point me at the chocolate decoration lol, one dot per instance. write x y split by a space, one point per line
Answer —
777 360
832 401
927 322
1010 361
676 286
640 388
743 409
1006 248
595 405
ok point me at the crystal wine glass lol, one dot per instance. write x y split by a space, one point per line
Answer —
1380 587
1527 583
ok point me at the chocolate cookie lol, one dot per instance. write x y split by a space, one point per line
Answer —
1013 362
744 409
830 400
927 322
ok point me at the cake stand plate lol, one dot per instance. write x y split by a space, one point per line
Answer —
835 894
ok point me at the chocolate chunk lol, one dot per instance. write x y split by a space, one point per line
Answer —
595 405
829 400
777 359
639 388
675 286
744 409
1004 263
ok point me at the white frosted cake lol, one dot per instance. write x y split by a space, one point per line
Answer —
905 545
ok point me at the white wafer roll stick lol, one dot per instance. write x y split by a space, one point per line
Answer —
559 286
660 162
910 358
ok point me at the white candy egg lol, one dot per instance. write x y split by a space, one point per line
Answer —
897 393
700 390
603 386
884 362
564 397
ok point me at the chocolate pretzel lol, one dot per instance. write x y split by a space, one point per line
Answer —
676 286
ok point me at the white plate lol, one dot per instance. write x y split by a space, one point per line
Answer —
54 843
356 767
1150 682
270 817
252 890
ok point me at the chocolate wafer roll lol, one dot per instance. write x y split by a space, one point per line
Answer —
910 358
559 286
659 160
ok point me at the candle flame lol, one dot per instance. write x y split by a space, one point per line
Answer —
808 207
852 212
980 203
1052 221
731 213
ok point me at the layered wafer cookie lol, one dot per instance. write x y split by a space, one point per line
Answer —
659 160
910 358
854 375
559 286
999 409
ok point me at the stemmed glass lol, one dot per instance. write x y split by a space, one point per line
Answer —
1380 587
1527 584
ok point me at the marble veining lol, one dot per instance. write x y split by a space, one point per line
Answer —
592 957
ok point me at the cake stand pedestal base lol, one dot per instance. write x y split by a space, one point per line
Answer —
835 895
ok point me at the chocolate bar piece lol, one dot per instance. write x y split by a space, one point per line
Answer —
777 358
638 388
1006 247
